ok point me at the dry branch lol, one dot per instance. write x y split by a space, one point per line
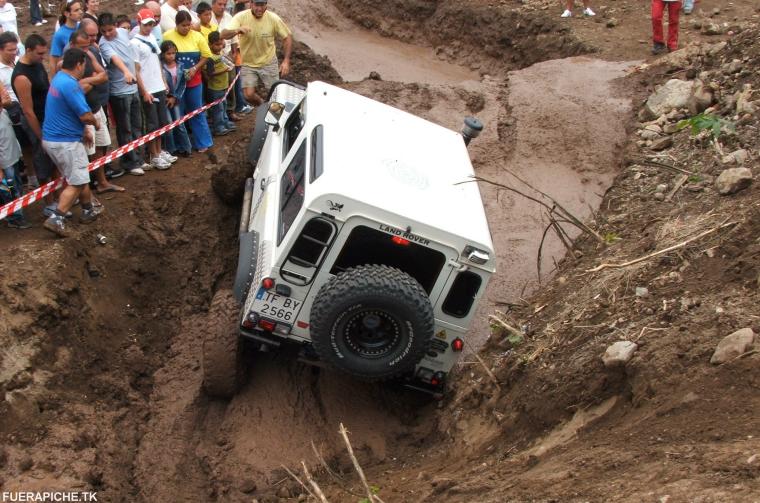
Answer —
313 484
482 363
660 252
299 481
681 180
572 218
344 433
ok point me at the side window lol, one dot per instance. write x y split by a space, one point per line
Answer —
462 294
293 127
292 191
316 154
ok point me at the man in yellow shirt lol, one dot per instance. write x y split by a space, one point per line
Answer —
258 29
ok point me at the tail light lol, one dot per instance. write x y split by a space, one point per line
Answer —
457 345
267 325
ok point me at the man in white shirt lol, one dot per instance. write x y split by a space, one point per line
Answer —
152 86
169 13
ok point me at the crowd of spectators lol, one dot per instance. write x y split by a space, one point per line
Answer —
132 75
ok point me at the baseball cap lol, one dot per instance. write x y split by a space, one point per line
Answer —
145 16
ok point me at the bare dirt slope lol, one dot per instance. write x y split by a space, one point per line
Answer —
99 367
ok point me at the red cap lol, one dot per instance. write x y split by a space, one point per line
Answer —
145 16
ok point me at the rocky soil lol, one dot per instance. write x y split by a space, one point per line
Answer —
630 373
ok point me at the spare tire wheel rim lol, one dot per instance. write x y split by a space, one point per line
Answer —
370 332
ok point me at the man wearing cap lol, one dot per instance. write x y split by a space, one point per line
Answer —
258 28
152 87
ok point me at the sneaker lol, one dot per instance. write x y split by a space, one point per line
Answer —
89 216
182 153
567 13
38 23
160 163
659 48
114 173
56 225
19 223
588 12
222 132
231 127
146 166
44 21
245 110
166 156
137 171
688 7
49 211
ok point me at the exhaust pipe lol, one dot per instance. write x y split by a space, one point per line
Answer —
471 129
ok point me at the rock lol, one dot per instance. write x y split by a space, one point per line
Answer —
619 353
662 143
733 346
716 11
374 76
737 157
642 291
734 66
714 49
742 98
701 98
710 28
659 196
672 95
671 128
662 187
653 127
733 180
247 486
612 22
648 134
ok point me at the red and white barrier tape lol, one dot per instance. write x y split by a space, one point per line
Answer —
42 191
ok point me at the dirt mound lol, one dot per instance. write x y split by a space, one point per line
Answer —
482 36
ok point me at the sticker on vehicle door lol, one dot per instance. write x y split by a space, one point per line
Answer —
275 306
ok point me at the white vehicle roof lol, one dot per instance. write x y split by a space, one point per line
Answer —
396 161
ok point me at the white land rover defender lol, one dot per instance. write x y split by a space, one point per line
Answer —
358 241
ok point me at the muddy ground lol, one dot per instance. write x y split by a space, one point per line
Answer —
100 353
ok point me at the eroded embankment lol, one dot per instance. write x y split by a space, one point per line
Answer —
487 38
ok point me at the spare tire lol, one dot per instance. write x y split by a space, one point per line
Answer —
372 321
222 356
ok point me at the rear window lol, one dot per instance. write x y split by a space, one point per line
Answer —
292 191
370 246
462 294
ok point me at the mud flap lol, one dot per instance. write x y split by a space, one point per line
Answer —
259 136
247 256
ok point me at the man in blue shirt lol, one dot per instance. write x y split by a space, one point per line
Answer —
63 133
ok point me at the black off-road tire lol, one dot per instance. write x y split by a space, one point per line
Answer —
222 355
372 321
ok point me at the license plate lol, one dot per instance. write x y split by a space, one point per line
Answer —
274 306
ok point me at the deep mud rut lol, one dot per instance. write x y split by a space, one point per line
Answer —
155 436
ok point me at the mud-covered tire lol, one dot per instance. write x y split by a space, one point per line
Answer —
222 354
259 136
372 321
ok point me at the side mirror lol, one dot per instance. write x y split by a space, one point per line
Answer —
274 112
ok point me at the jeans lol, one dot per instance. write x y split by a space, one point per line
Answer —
193 100
240 101
219 112
10 189
176 140
127 113
34 11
